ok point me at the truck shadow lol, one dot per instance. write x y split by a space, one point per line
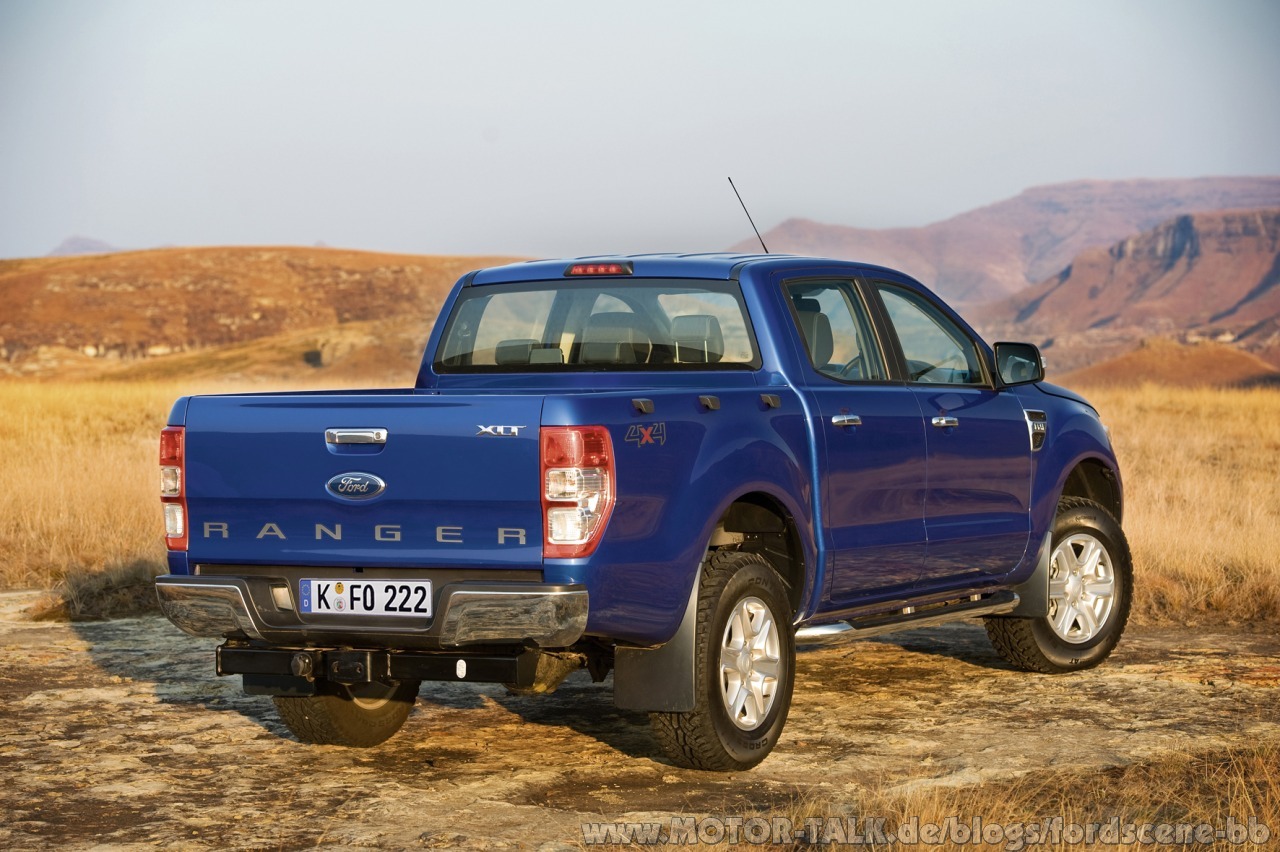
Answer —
578 707
176 668
963 642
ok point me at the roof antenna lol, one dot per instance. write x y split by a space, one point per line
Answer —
749 219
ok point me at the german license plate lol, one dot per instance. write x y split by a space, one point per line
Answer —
410 598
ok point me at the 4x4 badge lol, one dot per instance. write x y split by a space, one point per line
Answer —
654 433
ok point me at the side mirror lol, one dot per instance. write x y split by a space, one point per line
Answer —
1019 363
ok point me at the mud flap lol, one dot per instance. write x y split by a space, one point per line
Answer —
1033 594
660 679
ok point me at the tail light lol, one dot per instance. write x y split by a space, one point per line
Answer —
173 486
578 489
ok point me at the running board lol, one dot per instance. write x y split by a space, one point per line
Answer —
908 618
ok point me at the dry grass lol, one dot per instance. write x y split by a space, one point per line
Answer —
1202 500
1203 497
79 513
1181 790
80 470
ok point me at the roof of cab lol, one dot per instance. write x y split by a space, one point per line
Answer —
722 265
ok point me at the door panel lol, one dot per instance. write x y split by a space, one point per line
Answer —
977 505
977 512
873 492
875 488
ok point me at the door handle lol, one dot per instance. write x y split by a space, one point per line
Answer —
846 420
355 436
946 422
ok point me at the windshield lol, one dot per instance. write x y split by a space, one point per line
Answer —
638 324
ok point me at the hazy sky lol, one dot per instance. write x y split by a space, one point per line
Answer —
549 128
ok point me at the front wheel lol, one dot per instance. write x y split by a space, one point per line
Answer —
360 716
1090 589
744 668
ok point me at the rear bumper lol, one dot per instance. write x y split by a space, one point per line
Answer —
466 613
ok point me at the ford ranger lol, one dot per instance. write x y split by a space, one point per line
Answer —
674 468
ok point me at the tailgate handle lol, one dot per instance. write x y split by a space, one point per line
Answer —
355 436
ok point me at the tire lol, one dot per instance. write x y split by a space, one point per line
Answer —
361 716
742 698
1090 591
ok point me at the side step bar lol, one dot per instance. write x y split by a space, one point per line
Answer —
909 618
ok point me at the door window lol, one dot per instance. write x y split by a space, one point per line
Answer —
836 334
937 351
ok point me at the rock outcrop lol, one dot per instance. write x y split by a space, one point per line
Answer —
998 250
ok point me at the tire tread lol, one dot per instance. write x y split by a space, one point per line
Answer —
331 719
690 739
1014 638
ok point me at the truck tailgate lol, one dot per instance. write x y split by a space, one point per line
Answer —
265 486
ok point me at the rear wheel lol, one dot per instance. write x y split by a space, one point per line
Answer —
744 668
361 716
1090 588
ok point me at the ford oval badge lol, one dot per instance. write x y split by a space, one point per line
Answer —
355 486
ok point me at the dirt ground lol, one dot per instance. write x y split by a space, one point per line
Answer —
118 734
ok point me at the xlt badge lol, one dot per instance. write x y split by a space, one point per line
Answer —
500 431
355 486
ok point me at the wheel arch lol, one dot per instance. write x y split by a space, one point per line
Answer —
755 520
758 521
1093 479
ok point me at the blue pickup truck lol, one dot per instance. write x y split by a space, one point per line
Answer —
674 468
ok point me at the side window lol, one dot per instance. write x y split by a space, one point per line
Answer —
834 327
935 348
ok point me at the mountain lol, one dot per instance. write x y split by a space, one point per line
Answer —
1203 276
1166 362
996 251
77 245
83 313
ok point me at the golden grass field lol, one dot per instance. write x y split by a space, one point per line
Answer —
1202 500
84 524
1203 517
1202 507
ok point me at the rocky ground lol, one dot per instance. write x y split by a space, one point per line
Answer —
118 734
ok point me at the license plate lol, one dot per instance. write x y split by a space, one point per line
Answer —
411 598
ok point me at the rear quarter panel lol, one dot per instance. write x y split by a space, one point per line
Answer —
678 470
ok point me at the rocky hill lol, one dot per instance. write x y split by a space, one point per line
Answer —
1162 361
996 251
79 313
1197 277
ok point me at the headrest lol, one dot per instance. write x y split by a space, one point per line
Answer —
614 338
698 339
551 355
817 331
514 351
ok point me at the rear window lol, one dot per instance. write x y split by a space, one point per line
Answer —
637 324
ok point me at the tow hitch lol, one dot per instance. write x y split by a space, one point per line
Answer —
294 671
